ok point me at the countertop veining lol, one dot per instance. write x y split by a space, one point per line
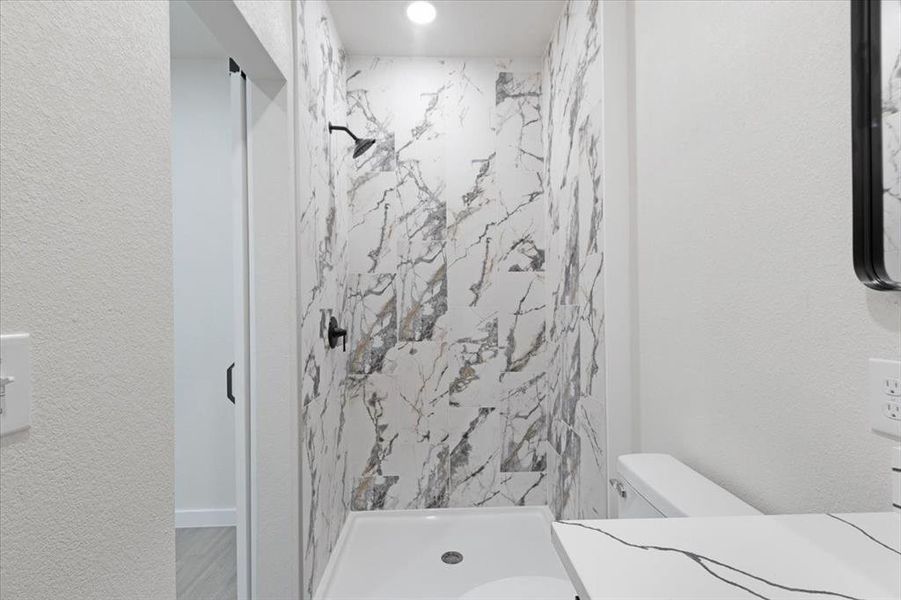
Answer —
815 556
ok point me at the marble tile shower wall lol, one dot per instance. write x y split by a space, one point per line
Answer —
572 85
322 233
447 387
465 253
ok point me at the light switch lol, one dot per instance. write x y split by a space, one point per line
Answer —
885 401
15 382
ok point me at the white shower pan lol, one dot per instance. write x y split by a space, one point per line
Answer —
507 554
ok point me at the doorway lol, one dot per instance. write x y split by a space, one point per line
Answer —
259 138
211 257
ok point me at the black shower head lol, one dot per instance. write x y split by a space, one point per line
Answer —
361 145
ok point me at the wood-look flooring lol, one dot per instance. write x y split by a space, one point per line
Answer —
205 559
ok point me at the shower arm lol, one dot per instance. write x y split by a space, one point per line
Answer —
332 128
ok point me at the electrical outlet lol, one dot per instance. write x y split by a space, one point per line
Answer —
892 410
885 397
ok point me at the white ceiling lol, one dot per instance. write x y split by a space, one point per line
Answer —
490 28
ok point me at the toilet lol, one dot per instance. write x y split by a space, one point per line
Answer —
659 486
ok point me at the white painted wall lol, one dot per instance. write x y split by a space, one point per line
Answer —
86 495
276 503
620 294
754 331
203 247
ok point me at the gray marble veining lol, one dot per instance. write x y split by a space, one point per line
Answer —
462 206
324 215
572 110
465 251
777 556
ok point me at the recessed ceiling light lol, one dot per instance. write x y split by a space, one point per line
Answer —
421 12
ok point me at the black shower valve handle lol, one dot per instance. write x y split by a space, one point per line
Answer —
335 332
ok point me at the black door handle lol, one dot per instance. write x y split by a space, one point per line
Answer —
228 383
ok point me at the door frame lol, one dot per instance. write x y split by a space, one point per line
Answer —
271 549
244 317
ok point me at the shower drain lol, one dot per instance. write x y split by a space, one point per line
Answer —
451 557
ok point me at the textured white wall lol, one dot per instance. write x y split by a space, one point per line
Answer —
86 495
271 22
754 332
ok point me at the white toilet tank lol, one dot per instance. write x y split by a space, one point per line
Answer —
658 485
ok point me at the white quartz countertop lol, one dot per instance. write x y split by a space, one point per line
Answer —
787 556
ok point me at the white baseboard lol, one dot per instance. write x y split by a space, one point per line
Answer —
205 517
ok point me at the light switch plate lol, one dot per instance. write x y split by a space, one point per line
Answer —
15 363
885 403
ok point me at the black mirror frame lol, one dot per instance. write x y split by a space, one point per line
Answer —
866 109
